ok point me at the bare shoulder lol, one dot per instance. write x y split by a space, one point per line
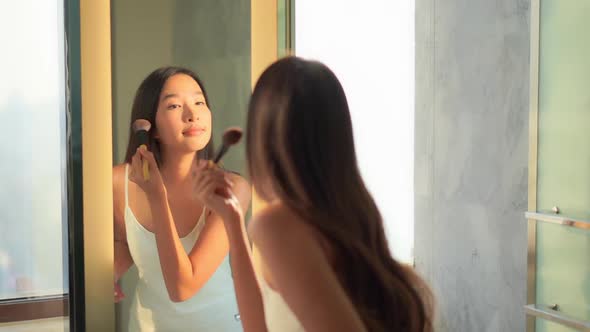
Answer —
119 178
276 225
119 170
272 219
288 245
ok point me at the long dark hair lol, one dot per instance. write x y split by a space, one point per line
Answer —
145 106
300 146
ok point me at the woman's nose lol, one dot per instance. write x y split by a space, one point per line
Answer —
191 114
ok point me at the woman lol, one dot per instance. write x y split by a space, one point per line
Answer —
176 243
324 260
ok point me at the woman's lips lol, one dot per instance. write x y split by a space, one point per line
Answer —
193 131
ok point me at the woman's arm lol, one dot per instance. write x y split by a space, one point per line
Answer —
229 204
122 260
184 275
302 274
246 285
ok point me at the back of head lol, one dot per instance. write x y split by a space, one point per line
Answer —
300 149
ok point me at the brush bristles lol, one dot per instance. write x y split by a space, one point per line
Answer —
141 124
232 136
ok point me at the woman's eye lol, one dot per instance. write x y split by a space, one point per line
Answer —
173 106
200 103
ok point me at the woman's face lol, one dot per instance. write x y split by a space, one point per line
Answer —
183 118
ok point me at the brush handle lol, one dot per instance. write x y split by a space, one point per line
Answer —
144 165
220 153
146 170
143 139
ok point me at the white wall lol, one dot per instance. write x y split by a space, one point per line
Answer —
370 47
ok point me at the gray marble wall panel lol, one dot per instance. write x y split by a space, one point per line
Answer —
471 156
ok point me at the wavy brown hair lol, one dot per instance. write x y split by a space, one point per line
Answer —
300 148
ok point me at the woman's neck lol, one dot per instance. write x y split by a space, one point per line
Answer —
176 169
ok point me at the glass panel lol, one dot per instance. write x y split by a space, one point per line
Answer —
563 254
544 325
33 205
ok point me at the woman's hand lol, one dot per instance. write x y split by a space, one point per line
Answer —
154 185
213 187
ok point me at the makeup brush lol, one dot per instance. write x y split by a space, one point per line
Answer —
231 136
141 128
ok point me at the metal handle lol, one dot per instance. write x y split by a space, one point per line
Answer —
558 219
547 313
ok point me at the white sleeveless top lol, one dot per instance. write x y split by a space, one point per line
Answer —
212 308
277 314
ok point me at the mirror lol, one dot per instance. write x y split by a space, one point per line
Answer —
212 38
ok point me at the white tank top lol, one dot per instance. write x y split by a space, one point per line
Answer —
212 308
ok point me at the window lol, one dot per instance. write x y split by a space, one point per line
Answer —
370 47
33 145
